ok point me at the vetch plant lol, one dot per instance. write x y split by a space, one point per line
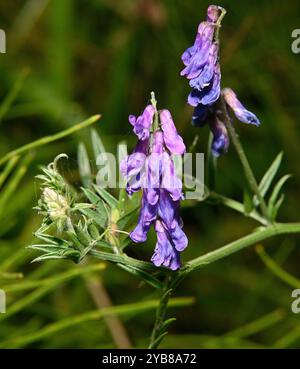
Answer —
91 221
152 167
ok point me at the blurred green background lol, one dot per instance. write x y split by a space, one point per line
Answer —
67 60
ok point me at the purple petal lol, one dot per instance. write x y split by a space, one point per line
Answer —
170 182
132 167
165 254
153 169
200 115
168 209
187 55
214 91
179 239
195 97
239 110
146 218
142 124
205 77
220 142
197 61
172 140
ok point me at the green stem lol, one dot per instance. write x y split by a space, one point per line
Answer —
237 206
276 269
154 103
157 334
48 139
243 158
123 259
231 248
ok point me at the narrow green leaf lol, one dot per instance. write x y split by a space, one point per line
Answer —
84 166
107 197
158 340
277 206
126 218
96 216
276 191
49 256
101 213
165 325
268 177
248 202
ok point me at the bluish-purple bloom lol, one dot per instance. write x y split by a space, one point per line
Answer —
202 69
238 108
220 141
151 168
141 125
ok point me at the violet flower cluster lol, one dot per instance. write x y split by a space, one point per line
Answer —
202 69
150 168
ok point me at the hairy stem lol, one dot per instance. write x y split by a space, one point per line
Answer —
243 158
231 248
157 333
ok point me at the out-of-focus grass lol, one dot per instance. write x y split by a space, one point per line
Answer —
105 56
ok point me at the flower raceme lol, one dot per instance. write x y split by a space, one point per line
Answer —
201 62
202 69
150 168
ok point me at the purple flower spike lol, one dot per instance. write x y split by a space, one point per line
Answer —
173 141
202 67
151 167
220 142
239 110
141 125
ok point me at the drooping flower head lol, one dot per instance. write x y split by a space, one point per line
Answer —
201 61
150 168
202 69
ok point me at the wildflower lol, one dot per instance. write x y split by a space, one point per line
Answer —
202 69
201 61
151 168
241 113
